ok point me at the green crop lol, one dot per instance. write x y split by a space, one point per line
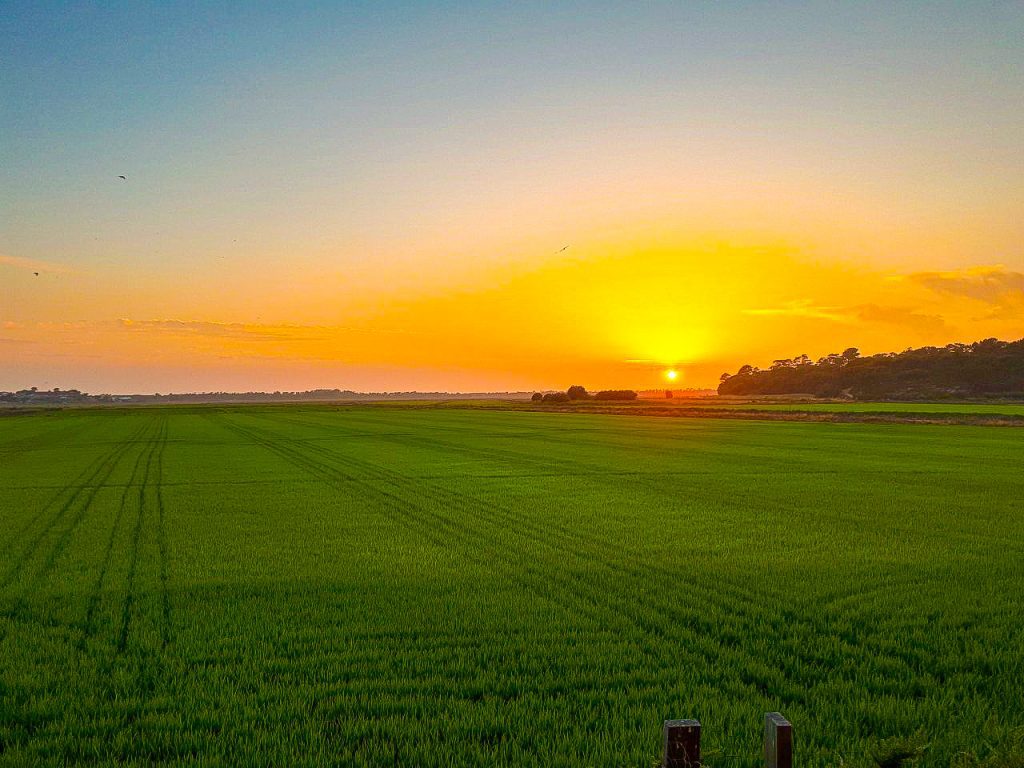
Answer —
379 586
950 409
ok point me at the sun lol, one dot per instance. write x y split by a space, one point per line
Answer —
671 374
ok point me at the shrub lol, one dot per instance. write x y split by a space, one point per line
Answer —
555 397
616 394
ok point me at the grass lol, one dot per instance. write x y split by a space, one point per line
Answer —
319 585
995 409
768 407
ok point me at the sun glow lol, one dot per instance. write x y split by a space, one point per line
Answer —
671 374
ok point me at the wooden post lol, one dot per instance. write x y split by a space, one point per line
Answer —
778 741
682 744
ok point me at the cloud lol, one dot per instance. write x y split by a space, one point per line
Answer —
866 313
994 284
33 265
237 331
901 316
802 308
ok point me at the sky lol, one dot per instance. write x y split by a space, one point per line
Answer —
493 197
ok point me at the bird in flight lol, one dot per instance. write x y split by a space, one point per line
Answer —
563 248
123 178
36 274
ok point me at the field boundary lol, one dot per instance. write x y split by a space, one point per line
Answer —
744 414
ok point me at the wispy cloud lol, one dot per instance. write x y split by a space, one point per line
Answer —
901 316
802 308
237 331
863 313
992 284
33 265
205 330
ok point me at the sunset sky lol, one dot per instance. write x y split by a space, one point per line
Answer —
397 196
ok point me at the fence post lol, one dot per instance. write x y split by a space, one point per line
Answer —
681 744
778 741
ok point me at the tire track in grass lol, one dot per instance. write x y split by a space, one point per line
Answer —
458 533
707 635
130 671
778 621
129 601
84 478
68 533
747 603
565 539
576 595
703 639
83 497
507 516
165 599
747 610
647 630
84 492
95 595
471 508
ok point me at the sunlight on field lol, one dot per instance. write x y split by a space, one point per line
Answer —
315 585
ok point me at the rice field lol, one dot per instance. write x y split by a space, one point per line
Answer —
378 586
966 409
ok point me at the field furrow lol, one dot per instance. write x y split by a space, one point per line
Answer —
317 586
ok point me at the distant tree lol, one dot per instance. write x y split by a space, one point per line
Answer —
725 376
555 397
668 394
537 397
576 392
616 394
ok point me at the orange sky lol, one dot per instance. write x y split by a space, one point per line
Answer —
380 198
617 315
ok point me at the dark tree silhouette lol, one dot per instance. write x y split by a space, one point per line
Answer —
615 394
982 369
555 397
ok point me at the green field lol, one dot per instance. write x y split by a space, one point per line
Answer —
976 413
316 585
972 409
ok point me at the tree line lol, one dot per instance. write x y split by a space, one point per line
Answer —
577 393
983 369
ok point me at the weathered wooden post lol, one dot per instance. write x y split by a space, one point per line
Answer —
681 744
778 741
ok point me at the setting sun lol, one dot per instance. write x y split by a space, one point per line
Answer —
671 374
